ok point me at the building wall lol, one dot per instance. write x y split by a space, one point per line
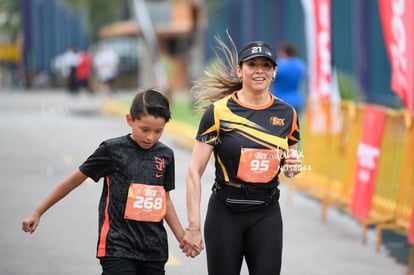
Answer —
49 30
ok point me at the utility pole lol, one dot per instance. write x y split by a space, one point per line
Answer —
27 51
156 75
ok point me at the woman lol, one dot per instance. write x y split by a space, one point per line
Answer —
253 136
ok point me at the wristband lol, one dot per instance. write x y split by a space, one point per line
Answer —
193 229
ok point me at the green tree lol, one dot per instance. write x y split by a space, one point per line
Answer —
10 24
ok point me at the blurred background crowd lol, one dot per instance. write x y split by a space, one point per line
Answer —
169 41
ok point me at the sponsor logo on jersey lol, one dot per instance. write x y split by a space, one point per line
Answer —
160 166
277 121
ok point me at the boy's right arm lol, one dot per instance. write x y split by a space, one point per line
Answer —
65 187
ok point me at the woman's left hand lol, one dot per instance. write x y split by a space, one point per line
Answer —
293 163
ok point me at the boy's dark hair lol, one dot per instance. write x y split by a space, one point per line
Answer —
150 102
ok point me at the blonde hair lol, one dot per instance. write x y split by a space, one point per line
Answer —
221 78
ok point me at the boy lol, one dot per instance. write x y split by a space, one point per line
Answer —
138 172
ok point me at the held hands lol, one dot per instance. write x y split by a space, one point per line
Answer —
192 243
293 163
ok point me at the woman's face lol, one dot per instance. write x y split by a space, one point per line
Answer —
147 130
257 73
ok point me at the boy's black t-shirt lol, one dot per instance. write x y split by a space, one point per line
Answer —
120 161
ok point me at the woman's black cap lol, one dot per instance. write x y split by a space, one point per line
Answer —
257 49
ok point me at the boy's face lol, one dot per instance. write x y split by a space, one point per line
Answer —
147 130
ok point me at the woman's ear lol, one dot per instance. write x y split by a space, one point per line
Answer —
274 73
274 76
238 70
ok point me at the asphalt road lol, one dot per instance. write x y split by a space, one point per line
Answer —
46 134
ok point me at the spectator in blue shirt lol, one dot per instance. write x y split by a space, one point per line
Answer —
290 74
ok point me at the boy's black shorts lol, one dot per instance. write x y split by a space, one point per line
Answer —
123 266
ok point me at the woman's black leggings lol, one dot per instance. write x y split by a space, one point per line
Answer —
254 235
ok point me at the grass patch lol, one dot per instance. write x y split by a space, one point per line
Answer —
182 111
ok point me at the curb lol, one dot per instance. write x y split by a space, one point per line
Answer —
182 134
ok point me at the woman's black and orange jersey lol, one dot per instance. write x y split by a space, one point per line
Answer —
231 126
120 161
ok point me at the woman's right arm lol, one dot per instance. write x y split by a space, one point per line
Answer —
65 187
199 159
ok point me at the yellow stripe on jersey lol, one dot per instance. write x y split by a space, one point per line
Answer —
230 120
223 168
210 130
257 134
